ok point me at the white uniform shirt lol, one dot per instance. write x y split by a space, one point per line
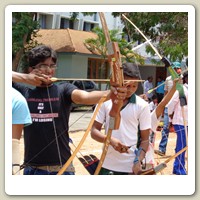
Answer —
150 152
152 106
154 121
131 116
147 86
174 106
168 83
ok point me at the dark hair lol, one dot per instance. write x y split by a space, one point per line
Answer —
185 77
40 54
154 97
131 69
150 77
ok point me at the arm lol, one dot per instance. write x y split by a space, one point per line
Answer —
166 99
89 98
17 131
144 142
16 135
145 126
96 132
20 118
172 103
17 128
140 155
32 79
99 137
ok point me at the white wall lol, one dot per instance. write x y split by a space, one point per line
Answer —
79 66
64 65
113 23
72 66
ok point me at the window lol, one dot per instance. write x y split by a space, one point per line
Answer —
88 26
42 21
66 23
46 21
35 16
98 69
95 16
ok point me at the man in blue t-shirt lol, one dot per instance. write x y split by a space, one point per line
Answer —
160 89
20 118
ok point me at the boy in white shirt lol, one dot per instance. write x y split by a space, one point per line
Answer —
180 123
154 103
155 119
123 157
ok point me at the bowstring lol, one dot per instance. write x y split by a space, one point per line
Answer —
54 127
57 136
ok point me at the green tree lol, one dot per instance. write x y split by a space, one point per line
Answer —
169 31
24 29
98 45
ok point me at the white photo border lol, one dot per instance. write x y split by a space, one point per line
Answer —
100 185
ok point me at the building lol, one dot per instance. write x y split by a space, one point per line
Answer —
61 20
74 59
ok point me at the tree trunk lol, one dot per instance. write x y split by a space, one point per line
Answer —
17 58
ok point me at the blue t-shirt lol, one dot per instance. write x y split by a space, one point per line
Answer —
160 89
20 110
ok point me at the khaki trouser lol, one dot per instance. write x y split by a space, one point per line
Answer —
55 168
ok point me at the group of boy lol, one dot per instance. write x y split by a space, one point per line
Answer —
47 139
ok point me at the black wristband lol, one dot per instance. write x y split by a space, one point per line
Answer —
143 150
14 165
136 160
138 151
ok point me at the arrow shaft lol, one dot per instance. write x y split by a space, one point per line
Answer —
54 79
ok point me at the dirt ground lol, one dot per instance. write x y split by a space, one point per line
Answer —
90 146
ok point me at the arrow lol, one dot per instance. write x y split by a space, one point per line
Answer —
54 79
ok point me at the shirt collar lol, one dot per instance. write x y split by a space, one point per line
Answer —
132 99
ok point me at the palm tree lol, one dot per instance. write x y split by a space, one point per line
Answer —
98 46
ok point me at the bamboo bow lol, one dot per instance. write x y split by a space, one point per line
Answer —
64 167
117 77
